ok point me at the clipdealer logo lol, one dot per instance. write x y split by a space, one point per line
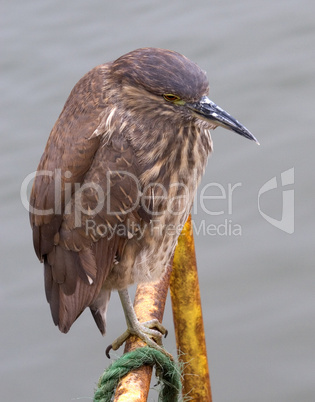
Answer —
286 223
214 200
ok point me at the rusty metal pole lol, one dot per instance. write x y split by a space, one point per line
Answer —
189 331
149 304
187 313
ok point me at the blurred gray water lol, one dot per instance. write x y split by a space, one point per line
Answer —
257 288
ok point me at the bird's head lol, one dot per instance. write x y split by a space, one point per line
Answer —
170 84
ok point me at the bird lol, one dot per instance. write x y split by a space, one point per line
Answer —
116 182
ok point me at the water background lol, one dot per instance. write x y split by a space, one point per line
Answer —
257 288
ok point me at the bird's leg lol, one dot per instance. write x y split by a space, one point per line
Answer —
152 337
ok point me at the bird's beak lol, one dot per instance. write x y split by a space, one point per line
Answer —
209 111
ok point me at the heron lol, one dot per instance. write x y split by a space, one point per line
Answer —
116 182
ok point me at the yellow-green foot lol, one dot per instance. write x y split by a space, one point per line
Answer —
146 332
150 332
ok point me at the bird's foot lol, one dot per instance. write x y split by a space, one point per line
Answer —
150 332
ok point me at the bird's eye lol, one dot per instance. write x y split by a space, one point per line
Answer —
171 97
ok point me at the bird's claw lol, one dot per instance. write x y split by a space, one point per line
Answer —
158 327
150 332
108 349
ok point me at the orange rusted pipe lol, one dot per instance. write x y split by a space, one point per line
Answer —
149 304
189 329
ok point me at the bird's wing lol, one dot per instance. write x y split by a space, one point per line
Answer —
93 235
64 201
67 157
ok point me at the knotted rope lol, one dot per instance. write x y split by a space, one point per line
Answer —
166 370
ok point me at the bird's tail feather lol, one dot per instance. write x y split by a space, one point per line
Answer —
99 309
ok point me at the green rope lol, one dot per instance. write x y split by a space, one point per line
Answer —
166 370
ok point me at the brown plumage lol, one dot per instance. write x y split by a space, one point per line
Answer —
120 168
